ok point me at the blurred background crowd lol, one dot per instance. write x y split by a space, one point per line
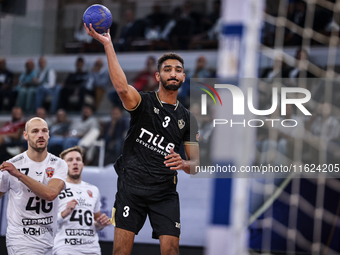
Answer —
73 100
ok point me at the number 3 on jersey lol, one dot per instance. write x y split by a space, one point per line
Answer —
126 211
166 121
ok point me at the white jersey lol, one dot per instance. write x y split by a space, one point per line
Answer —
32 221
76 233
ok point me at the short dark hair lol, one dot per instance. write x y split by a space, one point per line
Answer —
75 148
80 59
167 56
91 106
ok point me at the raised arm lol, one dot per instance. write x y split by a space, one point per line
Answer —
128 94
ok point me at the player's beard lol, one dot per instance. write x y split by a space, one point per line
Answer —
171 87
74 176
35 146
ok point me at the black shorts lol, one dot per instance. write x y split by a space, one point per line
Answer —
133 204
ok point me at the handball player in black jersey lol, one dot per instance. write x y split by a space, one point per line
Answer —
147 175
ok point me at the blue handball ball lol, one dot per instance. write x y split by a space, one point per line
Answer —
99 16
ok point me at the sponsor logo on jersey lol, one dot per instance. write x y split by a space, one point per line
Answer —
156 110
90 193
77 241
82 202
40 221
79 232
37 231
39 173
53 159
49 172
181 123
154 142
16 159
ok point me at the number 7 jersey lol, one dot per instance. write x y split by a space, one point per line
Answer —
31 220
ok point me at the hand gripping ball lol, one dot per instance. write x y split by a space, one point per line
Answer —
99 16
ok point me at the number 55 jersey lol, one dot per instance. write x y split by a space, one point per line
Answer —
76 233
31 220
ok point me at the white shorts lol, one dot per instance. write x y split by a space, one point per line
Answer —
24 250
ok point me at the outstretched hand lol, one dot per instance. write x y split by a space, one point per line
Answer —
174 160
102 38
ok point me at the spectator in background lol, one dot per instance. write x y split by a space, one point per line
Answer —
74 85
208 38
323 128
211 19
41 113
206 129
11 134
99 81
132 30
268 29
286 138
211 26
155 22
297 16
175 15
178 30
146 79
27 87
114 135
58 131
269 76
300 70
83 132
80 34
46 80
195 17
201 71
6 86
278 70
12 130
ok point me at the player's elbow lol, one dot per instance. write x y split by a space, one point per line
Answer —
50 196
122 91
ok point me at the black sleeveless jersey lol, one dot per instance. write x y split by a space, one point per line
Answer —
155 128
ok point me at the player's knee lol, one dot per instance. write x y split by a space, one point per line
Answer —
171 249
120 251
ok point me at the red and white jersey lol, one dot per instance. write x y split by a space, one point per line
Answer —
76 233
32 221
